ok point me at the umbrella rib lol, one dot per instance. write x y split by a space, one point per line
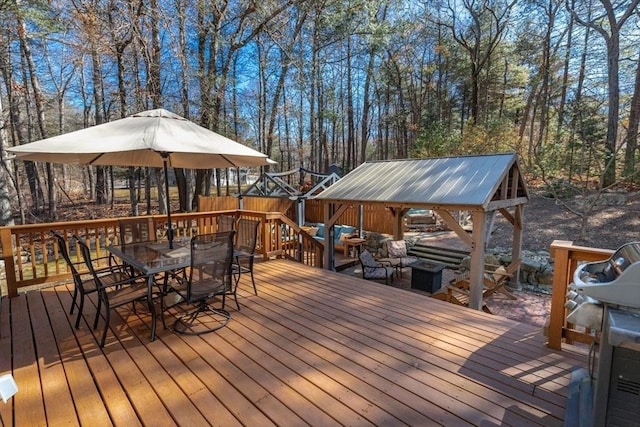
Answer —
227 159
90 162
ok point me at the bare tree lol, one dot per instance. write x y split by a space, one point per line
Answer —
609 24
478 26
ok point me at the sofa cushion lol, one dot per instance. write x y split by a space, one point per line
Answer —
348 229
337 229
320 233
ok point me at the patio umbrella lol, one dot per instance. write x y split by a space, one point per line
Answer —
153 138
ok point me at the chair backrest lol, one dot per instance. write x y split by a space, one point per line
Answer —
226 223
136 230
247 235
396 248
211 258
367 259
88 261
62 249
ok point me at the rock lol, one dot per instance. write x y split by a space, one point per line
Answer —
536 270
545 276
530 265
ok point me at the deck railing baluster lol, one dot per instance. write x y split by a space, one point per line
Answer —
44 267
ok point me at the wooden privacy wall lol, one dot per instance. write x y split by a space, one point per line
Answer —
217 203
376 217
250 203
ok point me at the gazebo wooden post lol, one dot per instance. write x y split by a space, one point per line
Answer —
329 256
516 247
398 226
477 259
332 212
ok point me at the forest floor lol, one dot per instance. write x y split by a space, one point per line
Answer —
609 225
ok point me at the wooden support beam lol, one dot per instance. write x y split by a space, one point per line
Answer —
476 274
452 223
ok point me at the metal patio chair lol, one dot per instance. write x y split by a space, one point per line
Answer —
209 277
375 270
115 289
244 252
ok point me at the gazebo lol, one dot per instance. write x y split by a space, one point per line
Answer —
483 185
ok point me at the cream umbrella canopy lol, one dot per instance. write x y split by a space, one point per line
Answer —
153 138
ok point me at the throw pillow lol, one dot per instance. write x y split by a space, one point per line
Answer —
313 231
397 248
344 236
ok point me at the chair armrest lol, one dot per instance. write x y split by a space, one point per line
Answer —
128 280
385 261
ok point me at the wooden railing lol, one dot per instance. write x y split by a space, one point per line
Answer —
298 245
566 258
31 256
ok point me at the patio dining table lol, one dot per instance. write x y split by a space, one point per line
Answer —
152 258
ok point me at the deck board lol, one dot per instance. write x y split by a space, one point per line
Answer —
314 347
453 395
6 410
30 409
56 395
84 392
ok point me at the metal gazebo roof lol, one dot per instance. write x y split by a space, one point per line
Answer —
467 182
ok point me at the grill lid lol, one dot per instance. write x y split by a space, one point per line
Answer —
615 280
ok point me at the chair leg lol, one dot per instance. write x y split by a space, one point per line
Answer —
106 327
235 297
95 321
255 290
187 323
80 308
74 299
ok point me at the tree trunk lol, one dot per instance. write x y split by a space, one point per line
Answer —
6 215
632 132
38 98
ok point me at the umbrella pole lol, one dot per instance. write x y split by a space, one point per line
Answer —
166 186
240 204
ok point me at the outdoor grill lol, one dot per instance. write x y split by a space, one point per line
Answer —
605 296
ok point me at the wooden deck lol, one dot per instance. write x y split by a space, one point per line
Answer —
314 347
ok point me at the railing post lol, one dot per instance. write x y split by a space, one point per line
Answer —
560 253
566 257
9 262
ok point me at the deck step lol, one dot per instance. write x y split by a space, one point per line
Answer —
448 256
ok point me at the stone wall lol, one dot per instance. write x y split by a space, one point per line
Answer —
536 270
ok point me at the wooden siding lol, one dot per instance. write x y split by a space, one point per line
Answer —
313 347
